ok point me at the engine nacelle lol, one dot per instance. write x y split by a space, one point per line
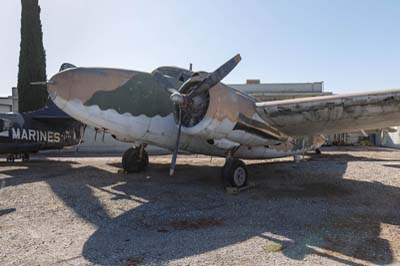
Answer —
232 115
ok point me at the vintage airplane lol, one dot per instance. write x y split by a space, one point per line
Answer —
48 128
178 109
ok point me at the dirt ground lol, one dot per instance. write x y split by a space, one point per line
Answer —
341 207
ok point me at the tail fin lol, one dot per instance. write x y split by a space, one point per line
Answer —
49 111
65 66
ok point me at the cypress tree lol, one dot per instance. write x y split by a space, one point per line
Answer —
32 59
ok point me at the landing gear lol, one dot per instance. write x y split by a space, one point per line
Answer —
135 160
25 157
318 151
10 158
298 158
234 174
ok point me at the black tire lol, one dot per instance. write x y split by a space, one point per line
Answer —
126 156
131 161
10 158
234 174
25 157
145 159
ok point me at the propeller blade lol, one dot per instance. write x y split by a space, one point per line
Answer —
175 154
218 75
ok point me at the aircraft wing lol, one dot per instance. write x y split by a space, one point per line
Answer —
333 114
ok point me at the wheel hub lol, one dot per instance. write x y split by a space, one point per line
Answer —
239 176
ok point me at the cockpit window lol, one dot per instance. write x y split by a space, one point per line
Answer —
179 74
184 76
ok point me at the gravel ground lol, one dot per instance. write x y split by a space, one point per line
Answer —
341 207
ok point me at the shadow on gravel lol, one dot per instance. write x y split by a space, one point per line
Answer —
393 166
7 211
349 158
358 148
72 184
309 204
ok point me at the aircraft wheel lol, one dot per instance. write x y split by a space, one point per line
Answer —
132 162
25 157
145 159
10 158
234 173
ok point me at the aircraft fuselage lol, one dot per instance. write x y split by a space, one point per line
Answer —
20 133
135 107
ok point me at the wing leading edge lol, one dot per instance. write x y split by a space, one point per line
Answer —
333 114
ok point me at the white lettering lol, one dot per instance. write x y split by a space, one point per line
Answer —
16 133
50 136
43 135
57 137
24 134
31 134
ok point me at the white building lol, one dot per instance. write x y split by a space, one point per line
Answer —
6 104
9 103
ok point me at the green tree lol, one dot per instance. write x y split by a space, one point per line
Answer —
32 59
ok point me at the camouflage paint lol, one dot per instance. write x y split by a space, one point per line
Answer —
136 107
141 95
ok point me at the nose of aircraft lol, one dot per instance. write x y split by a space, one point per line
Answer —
82 83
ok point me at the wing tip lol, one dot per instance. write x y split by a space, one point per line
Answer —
237 58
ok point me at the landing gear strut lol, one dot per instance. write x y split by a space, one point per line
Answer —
10 158
135 159
25 157
234 173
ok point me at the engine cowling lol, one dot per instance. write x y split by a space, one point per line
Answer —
224 113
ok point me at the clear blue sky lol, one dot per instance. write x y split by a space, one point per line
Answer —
351 45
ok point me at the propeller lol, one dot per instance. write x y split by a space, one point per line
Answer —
213 78
184 101
175 154
207 83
